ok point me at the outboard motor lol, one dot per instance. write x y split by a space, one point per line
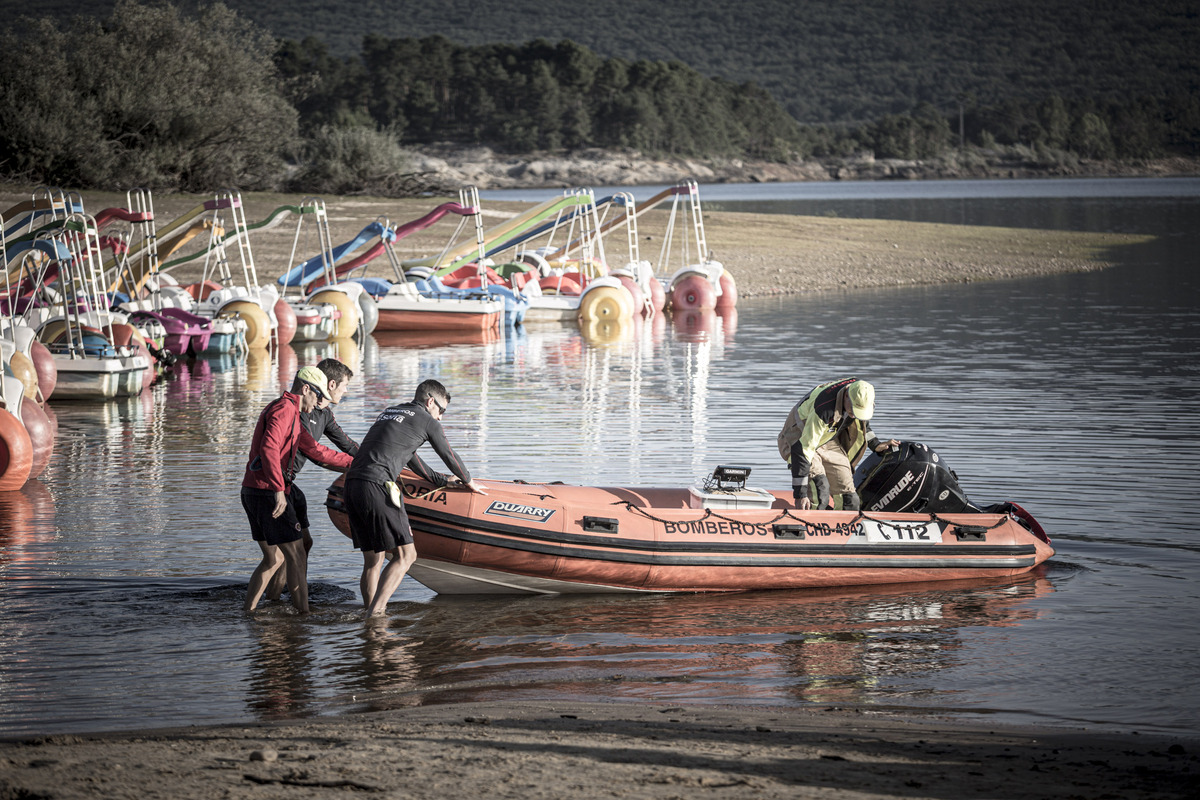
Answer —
910 477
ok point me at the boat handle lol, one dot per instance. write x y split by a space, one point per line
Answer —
974 533
600 525
784 531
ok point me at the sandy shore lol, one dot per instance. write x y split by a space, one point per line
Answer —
534 750
766 253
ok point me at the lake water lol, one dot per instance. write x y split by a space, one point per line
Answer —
122 570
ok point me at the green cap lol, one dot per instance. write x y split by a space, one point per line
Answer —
316 379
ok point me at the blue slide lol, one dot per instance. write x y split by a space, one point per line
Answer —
298 275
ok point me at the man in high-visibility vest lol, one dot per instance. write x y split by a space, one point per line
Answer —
824 436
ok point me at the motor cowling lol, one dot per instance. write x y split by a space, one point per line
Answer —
910 477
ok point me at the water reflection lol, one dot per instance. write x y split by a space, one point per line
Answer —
760 648
705 324
604 332
419 340
27 530
281 670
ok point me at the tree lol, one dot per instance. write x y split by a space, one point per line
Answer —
1090 137
1055 121
323 89
150 98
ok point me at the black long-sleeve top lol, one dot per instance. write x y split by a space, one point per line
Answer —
391 445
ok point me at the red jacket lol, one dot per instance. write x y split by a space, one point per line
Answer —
277 436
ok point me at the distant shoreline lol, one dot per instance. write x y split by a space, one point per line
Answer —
444 168
767 254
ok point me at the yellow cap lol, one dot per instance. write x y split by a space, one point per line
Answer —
316 379
862 399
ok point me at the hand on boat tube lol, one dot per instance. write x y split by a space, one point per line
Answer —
474 486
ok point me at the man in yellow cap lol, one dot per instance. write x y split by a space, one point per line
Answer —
824 436
266 485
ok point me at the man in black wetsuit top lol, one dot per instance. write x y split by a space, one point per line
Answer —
378 521
318 422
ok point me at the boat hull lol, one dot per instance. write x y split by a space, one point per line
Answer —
99 378
546 539
465 318
404 308
552 308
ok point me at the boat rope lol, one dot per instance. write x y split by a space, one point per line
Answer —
784 514
421 495
944 521
708 512
787 514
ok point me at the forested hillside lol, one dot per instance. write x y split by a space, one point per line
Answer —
824 60
181 95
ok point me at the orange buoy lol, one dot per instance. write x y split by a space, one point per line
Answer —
692 291
23 370
347 324
41 437
47 370
635 293
16 452
729 294
658 295
285 316
605 302
258 324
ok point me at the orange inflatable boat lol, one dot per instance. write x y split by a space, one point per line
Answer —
523 538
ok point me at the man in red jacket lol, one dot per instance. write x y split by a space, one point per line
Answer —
266 486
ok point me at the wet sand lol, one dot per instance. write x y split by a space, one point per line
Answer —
543 750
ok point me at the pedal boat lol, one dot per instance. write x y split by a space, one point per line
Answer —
523 538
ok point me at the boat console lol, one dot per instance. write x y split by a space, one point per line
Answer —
726 488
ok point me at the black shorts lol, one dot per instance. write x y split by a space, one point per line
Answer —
300 502
376 525
259 503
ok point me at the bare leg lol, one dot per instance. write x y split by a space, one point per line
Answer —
370 576
296 559
272 560
279 582
389 581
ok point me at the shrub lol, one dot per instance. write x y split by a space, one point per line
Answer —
355 160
